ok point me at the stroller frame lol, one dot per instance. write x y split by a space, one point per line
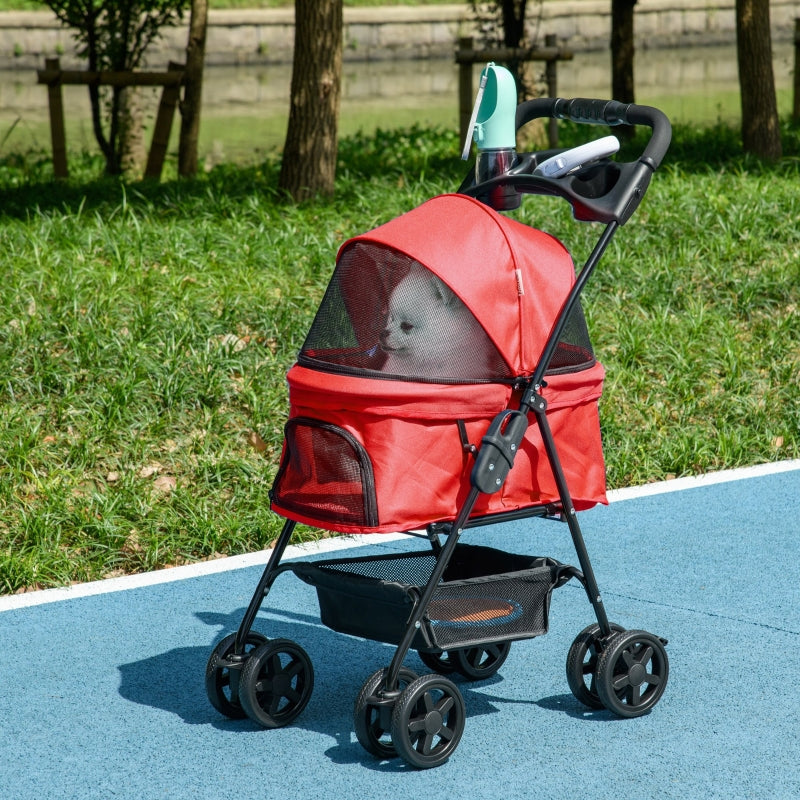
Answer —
607 667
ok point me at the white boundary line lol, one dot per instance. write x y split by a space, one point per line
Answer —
11 602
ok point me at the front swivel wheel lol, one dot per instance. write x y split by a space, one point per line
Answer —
632 672
372 719
276 683
222 677
428 721
582 664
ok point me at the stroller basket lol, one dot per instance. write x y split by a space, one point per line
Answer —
486 595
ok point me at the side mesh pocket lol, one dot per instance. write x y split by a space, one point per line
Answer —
325 473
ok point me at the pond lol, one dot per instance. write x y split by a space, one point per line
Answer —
245 108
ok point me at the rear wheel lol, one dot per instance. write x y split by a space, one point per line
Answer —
477 663
438 662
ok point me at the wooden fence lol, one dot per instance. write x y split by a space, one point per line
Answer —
54 78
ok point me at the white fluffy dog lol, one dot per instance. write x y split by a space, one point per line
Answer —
429 332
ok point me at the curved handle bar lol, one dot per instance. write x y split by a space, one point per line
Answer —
609 191
604 112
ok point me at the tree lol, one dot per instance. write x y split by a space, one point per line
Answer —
761 134
503 23
193 89
309 156
622 50
113 35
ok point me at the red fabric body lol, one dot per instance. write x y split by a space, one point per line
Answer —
421 472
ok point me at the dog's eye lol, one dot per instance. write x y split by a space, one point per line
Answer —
406 327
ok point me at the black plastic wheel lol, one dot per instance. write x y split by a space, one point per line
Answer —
222 683
427 721
438 662
632 672
582 665
477 663
373 723
276 683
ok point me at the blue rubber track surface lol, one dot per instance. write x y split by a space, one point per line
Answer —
102 695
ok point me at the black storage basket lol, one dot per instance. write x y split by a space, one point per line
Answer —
486 595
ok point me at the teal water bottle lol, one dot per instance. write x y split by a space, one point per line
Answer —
493 129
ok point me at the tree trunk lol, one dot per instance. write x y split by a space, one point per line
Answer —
622 51
761 133
132 148
193 89
309 156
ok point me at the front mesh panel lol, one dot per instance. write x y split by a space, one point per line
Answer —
324 471
386 313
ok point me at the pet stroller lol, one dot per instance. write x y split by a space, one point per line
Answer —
500 423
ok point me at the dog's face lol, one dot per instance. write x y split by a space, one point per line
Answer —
424 325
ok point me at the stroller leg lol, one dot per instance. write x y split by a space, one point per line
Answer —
539 408
443 558
263 587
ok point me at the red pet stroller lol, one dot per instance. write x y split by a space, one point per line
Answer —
442 336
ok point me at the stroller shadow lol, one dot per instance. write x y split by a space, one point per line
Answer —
173 681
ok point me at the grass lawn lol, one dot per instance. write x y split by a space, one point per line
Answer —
145 331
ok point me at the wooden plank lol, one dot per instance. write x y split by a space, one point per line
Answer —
124 78
163 126
464 55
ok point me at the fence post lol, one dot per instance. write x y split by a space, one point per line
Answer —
796 106
57 136
551 76
466 99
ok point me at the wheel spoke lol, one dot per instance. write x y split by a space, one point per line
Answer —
446 733
445 704
425 744
620 682
416 725
291 695
634 695
274 704
275 665
293 668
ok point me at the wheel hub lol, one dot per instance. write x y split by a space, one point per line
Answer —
637 674
433 722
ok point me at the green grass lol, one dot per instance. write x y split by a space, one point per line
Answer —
145 331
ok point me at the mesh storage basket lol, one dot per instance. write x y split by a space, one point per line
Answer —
486 595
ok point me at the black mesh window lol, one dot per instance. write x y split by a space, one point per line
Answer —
386 313
574 350
326 471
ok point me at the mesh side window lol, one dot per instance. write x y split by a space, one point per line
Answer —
574 350
386 313
325 473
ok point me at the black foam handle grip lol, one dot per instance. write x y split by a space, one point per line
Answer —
604 112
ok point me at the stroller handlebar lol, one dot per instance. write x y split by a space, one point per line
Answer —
599 191
604 112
